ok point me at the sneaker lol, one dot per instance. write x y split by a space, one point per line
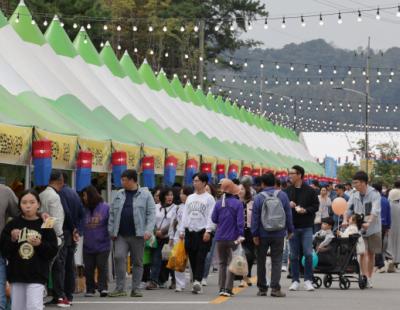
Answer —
136 293
151 285
162 285
204 282
369 283
142 285
172 286
262 292
308 286
277 293
242 283
284 268
89 294
178 289
104 293
117 293
63 303
221 292
295 286
197 289
228 293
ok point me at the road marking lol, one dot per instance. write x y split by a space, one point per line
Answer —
236 290
142 302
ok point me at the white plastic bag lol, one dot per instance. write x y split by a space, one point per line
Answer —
166 252
238 265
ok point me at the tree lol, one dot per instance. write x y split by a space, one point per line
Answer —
346 172
387 166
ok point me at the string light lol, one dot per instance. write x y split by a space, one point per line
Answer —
303 23
45 23
266 23
398 11
196 28
340 21
378 15
17 19
321 22
75 26
151 28
359 18
105 27
33 22
291 67
119 28
165 29
320 69
277 66
305 68
216 28
283 23
135 28
182 29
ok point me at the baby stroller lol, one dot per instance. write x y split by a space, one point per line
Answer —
339 263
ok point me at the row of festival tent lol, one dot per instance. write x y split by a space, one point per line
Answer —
42 161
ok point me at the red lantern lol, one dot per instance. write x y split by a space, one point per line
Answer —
220 169
206 167
192 164
255 172
246 170
148 163
119 158
171 161
84 159
41 149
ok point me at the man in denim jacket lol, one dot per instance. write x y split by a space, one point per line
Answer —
131 223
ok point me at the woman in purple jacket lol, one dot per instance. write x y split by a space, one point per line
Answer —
229 216
96 241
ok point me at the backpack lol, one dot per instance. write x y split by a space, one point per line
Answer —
273 216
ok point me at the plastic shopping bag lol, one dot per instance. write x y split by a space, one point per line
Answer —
151 243
238 265
166 252
178 258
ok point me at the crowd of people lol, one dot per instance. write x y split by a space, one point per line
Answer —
262 217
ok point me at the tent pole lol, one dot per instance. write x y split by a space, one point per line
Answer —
108 187
28 176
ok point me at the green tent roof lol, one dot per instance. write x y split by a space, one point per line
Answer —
111 61
59 40
164 83
86 49
201 97
178 88
148 76
191 94
21 20
3 20
130 69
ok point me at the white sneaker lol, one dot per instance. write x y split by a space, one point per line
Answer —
308 286
178 289
197 289
142 285
295 286
204 282
284 268
369 283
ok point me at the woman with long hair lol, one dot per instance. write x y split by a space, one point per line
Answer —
96 241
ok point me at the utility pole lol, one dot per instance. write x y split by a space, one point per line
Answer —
201 48
294 115
367 105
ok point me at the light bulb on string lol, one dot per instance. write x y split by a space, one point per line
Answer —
349 71
378 15
244 81
283 23
33 22
196 28
151 28
186 56
232 27
165 29
119 28
378 72
320 69
245 63
75 25
151 52
216 60
119 47
367 80
216 28
303 23
353 82
45 23
277 66
231 62
88 26
398 11
287 82
391 72
359 18
378 81
364 72
340 21
321 82
321 21
291 67
17 19
308 82
250 27
305 68
342 82
201 58
62 24
135 28
331 82
102 44
182 29
233 80
262 65
266 24
166 54
334 70
135 50
298 82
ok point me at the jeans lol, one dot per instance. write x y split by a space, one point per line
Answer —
123 246
3 279
302 238
276 245
209 259
158 272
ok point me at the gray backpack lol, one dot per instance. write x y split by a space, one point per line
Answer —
273 216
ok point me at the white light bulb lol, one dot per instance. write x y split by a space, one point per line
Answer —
75 26
201 58
165 29
196 28
216 60
305 68
277 66
283 25
33 22
166 54
151 52
62 24
262 66
182 29
250 27
231 63
151 28
105 27
135 50
88 26
216 28
291 68
119 47
101 44
245 64
85 41
321 21
378 15
119 28
186 56
398 11
340 21
266 24
232 28
45 23
134 28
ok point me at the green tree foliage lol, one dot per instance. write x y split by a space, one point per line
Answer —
346 172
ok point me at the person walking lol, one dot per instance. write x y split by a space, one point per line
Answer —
72 229
131 222
29 248
268 202
196 228
325 204
96 241
51 204
228 215
173 233
366 201
304 204
164 214
394 233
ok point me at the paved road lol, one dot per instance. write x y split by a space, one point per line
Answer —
385 295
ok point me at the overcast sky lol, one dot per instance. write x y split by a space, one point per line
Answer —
350 34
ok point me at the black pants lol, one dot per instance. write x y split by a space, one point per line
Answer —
381 257
70 271
197 251
58 273
93 261
249 249
276 245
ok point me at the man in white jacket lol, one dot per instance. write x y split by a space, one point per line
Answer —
50 203
196 228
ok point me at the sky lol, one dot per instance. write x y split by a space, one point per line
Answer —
350 34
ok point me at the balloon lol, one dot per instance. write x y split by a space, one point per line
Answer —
339 206
314 260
